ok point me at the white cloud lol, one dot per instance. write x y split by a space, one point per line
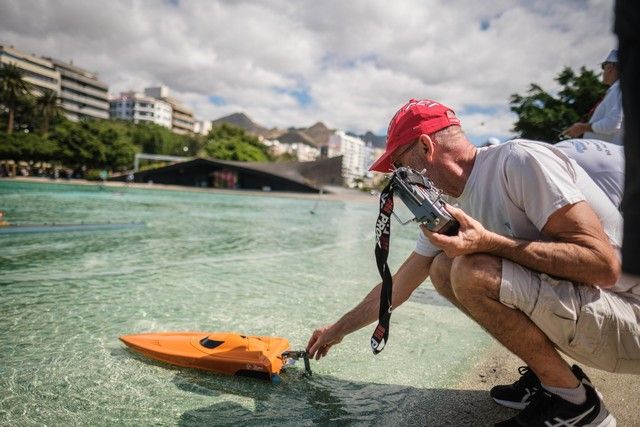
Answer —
484 125
358 60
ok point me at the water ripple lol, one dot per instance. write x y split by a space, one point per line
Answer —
256 265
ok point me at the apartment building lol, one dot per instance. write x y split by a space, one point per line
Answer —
82 94
40 72
182 120
302 151
202 127
136 107
357 156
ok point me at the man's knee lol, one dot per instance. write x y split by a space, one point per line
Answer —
440 272
476 275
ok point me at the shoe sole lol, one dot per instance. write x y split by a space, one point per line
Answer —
521 405
610 421
511 404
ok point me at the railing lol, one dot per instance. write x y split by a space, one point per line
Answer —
138 156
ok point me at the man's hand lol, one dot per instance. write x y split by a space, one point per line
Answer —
472 237
321 341
408 277
576 129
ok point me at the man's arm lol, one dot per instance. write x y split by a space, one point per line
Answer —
611 122
578 248
608 124
409 276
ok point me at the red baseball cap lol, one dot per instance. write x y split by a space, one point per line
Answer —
413 119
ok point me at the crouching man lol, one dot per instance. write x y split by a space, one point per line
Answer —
535 263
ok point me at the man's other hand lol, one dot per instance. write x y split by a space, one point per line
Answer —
472 237
321 341
575 130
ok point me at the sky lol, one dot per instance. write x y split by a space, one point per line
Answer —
350 64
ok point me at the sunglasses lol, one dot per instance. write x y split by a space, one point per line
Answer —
604 64
396 163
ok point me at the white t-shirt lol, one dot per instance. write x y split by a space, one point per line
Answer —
606 120
514 188
603 162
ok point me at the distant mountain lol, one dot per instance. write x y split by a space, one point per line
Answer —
319 133
241 120
316 135
376 140
296 136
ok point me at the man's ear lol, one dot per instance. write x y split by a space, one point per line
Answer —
427 144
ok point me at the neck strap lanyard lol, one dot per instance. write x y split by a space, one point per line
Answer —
383 234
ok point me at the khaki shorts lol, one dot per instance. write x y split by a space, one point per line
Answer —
593 326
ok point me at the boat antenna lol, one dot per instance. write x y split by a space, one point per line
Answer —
295 355
315 206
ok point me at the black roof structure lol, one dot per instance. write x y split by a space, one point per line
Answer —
305 177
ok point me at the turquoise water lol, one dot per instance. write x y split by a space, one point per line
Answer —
211 262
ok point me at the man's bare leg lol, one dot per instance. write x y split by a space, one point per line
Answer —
475 287
440 275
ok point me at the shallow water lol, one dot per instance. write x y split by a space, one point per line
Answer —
211 262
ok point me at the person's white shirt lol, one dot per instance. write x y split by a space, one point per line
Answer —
515 187
603 162
606 120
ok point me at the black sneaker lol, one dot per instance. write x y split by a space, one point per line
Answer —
549 410
518 394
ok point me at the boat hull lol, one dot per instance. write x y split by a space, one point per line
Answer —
222 352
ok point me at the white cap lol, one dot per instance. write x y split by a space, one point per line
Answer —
612 57
492 141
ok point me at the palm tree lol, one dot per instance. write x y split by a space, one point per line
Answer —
12 87
47 106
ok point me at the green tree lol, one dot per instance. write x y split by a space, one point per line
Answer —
78 145
192 145
116 138
156 139
48 108
12 88
25 117
227 142
9 149
21 146
542 116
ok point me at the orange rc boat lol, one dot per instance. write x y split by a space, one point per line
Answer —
223 352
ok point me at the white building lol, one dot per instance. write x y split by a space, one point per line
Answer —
294 143
82 94
136 107
301 151
357 156
40 72
182 120
203 127
304 152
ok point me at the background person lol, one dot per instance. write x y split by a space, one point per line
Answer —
605 122
539 255
603 162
